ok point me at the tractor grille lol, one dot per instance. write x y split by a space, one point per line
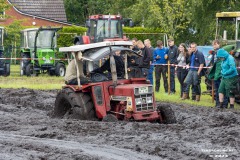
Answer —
144 102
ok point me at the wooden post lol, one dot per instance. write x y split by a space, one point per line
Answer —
168 77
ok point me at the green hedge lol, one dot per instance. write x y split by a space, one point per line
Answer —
144 33
67 34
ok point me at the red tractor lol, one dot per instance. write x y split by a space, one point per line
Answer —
104 28
105 98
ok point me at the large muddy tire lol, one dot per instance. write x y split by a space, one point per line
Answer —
167 114
60 70
76 105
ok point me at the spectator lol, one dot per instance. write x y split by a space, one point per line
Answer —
215 74
147 43
133 70
229 85
181 68
193 78
135 47
160 56
143 62
172 57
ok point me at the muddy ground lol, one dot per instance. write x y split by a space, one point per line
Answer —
27 131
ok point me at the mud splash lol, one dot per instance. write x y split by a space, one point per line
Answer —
27 131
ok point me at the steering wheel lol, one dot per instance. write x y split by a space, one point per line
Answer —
98 77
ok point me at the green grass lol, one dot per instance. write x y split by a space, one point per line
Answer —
206 100
43 81
46 82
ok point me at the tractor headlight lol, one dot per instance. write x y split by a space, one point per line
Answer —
51 58
149 100
44 58
138 101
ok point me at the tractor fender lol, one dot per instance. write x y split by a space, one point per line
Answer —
81 40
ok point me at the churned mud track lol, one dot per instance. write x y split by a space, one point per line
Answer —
27 131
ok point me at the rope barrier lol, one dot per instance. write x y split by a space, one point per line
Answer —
57 59
175 65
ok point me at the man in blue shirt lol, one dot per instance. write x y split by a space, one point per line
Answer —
197 62
159 57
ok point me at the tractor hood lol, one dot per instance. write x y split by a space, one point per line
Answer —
132 89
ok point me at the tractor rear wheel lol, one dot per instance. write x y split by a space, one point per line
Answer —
60 69
6 69
24 63
29 69
167 114
76 105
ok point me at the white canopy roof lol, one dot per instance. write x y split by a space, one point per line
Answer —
83 47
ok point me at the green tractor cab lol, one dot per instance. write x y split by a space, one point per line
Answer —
4 67
227 30
38 52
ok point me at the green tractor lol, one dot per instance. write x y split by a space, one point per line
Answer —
228 32
38 52
4 67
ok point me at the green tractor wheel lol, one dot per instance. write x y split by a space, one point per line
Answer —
30 70
60 70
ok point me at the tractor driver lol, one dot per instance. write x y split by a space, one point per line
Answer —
71 73
106 66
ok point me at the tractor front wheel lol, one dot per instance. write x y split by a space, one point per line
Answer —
76 105
60 69
167 113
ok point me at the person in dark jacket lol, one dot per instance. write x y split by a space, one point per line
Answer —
143 62
172 57
229 85
147 43
106 66
193 78
215 74
133 70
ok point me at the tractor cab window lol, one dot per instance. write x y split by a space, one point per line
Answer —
92 28
45 39
109 29
31 38
116 30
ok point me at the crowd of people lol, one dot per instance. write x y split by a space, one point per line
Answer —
187 62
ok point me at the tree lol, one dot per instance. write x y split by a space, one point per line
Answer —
3 6
203 17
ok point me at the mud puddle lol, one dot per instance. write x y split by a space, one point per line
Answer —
27 131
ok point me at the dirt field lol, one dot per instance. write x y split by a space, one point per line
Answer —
27 131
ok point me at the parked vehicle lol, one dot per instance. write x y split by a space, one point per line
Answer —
39 52
103 28
4 66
